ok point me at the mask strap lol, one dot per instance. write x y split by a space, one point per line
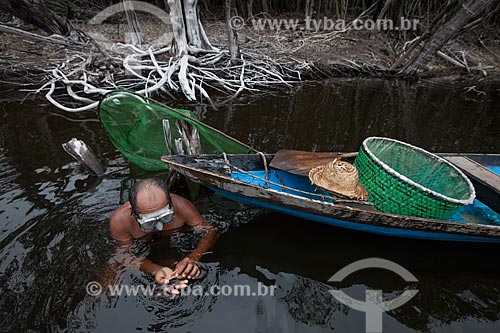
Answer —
170 204
133 212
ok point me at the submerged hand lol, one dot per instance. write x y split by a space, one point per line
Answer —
163 276
187 268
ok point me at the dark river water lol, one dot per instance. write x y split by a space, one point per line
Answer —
54 236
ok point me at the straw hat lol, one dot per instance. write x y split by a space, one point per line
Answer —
340 178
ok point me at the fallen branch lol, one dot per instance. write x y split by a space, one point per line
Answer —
83 154
451 60
19 32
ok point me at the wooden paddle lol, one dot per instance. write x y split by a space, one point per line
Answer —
301 162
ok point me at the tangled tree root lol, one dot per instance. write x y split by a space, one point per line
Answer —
192 75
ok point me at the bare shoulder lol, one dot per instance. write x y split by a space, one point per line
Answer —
182 205
121 213
119 223
186 210
180 202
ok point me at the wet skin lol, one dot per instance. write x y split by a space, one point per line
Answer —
125 230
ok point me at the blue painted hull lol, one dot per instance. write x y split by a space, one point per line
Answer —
396 232
294 195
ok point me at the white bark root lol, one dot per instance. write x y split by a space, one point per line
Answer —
186 74
194 67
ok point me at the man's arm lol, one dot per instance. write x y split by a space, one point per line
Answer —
122 257
123 239
188 267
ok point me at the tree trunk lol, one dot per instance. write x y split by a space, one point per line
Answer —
385 9
191 18
37 13
133 23
249 8
307 14
234 50
448 30
265 6
178 28
187 28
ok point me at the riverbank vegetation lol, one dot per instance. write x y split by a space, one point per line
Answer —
196 52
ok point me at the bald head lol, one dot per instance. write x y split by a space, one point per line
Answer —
149 195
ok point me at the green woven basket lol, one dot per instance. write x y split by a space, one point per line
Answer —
406 180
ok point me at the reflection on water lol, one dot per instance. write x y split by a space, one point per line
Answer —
54 235
457 282
441 117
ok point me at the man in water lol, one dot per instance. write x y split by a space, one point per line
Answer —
152 214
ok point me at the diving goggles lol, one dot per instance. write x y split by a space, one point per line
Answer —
147 222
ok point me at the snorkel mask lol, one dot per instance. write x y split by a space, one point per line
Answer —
158 218
147 222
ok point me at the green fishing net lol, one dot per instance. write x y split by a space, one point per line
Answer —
135 126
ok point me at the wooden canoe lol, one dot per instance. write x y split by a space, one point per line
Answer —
242 178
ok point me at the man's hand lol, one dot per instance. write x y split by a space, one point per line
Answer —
187 268
163 276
